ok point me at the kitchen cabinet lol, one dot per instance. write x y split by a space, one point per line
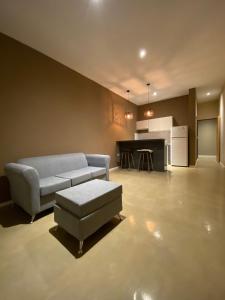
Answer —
157 124
142 125
160 124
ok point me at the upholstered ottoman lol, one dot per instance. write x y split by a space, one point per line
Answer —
82 209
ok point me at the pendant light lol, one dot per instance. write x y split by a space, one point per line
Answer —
149 112
129 115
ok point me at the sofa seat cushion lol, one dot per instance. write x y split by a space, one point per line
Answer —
77 176
53 184
85 198
96 171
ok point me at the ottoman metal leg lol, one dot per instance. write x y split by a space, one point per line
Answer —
80 251
32 219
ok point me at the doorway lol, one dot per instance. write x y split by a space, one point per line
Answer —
207 137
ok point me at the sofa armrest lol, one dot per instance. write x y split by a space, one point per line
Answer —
24 186
99 160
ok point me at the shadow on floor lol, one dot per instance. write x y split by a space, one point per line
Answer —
72 244
12 215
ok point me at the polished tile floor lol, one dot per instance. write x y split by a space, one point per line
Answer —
169 246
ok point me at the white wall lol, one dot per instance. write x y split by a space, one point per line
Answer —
222 127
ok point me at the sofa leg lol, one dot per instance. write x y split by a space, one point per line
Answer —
32 219
80 251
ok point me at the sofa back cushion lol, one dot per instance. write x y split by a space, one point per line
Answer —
55 164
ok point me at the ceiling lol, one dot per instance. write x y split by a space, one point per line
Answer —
101 39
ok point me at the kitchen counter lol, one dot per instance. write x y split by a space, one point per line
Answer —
157 145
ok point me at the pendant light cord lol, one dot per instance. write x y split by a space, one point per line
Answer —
128 95
148 84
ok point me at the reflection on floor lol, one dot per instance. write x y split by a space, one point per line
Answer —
170 245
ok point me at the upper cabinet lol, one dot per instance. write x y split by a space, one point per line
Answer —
142 125
157 124
160 124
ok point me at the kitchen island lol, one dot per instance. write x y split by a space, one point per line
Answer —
157 145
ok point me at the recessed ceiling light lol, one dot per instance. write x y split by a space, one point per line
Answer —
155 94
208 94
142 53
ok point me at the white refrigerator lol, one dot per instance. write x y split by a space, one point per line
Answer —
179 146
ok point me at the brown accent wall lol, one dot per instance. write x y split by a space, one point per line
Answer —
208 110
47 108
176 107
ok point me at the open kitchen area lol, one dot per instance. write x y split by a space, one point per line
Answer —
173 132
165 134
167 145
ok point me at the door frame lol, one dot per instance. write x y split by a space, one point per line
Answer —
218 139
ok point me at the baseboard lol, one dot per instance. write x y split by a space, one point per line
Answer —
193 166
6 203
207 156
113 169
222 165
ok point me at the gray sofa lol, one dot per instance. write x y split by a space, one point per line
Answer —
34 181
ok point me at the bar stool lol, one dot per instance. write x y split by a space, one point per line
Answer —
126 159
145 154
